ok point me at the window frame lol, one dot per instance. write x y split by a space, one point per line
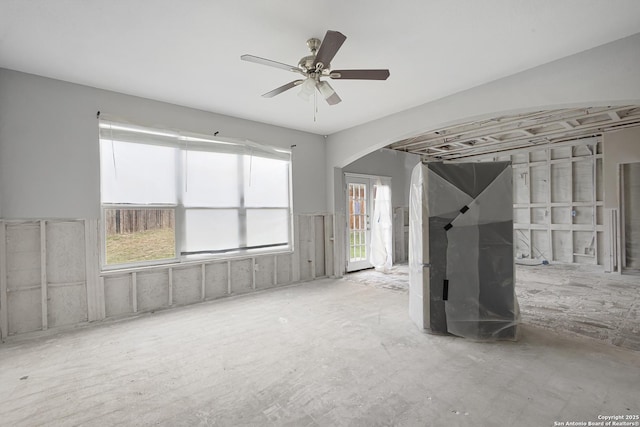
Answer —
186 142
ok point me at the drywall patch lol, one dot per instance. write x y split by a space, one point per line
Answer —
152 290
187 285
284 269
24 311
65 252
216 280
24 293
67 305
117 295
23 255
265 267
241 276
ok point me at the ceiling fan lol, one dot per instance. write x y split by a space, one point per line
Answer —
317 65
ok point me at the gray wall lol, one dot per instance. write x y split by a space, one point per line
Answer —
605 75
49 159
391 163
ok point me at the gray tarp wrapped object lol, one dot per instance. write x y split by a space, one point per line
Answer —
461 250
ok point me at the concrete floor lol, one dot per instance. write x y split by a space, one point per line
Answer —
324 353
578 300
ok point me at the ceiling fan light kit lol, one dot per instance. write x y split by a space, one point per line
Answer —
317 65
307 88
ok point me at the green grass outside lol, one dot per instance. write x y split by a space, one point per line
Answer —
141 246
356 252
160 244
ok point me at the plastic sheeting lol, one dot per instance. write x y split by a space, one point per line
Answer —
461 267
381 254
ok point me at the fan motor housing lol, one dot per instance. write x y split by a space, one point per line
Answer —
306 63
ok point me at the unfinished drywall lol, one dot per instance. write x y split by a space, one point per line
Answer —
118 295
556 203
44 283
216 280
265 271
65 272
187 285
49 159
23 278
284 269
608 75
46 275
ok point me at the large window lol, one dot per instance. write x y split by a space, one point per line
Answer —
168 195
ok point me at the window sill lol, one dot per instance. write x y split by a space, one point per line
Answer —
187 261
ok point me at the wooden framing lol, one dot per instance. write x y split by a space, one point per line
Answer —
549 204
43 275
129 303
4 316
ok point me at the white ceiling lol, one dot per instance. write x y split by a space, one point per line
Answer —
188 52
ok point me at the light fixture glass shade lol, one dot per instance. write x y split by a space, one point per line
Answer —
329 94
306 89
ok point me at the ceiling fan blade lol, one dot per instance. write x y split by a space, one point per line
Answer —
360 74
270 63
329 47
329 94
282 89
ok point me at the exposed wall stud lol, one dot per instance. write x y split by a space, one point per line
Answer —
311 245
43 274
134 292
295 259
203 290
253 273
594 198
622 256
275 270
96 309
4 318
104 305
328 242
618 228
170 286
548 207
567 191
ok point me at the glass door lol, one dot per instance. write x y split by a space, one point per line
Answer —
358 226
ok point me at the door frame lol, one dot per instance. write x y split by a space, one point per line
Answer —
622 228
370 181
